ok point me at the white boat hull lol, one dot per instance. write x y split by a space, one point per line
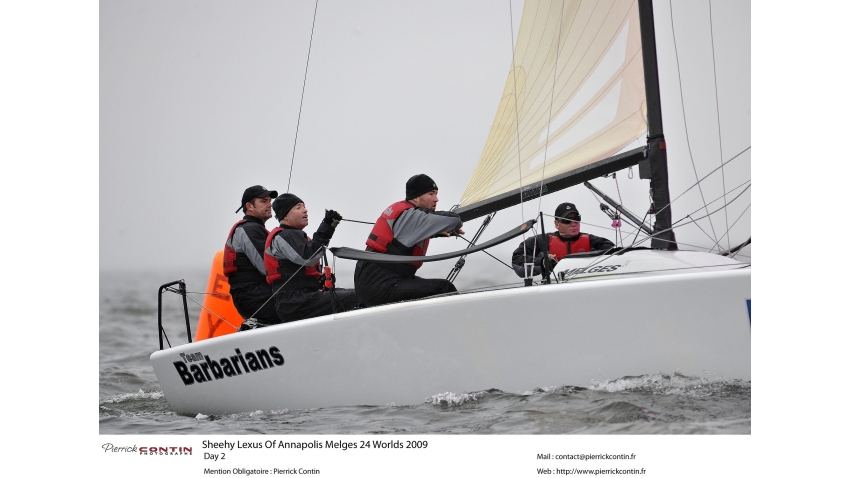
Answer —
513 340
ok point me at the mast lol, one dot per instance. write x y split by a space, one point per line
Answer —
663 236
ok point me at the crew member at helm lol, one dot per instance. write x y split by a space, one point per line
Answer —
405 228
292 260
243 259
567 239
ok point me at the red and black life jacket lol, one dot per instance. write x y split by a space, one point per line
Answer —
238 268
381 239
563 248
229 254
283 269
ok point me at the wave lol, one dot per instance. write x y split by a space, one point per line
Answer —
140 395
675 384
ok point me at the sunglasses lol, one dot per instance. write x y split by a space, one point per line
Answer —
576 218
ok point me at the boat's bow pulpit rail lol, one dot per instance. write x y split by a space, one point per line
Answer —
181 290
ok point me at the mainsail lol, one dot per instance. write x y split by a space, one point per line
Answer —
549 136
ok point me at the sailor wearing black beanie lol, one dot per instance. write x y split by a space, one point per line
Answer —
419 185
292 260
405 228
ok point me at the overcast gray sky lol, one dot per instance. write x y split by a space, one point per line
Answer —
199 100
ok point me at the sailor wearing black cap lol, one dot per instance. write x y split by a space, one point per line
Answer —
243 259
567 239
292 260
404 228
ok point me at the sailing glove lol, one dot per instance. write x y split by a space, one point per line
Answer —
550 262
332 218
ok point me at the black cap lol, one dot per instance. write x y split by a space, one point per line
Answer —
419 185
255 192
283 204
565 208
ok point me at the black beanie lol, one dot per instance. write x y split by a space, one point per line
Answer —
419 185
283 204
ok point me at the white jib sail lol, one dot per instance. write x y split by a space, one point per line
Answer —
597 106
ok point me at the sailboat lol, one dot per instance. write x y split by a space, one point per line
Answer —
581 92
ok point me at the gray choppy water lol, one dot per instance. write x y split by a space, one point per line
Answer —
130 400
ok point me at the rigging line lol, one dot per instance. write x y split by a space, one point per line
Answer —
747 183
627 233
321 249
605 257
686 223
703 231
583 54
705 177
716 210
303 87
533 114
674 226
741 248
620 196
695 246
730 227
487 288
715 239
516 123
585 223
717 109
203 293
606 227
549 123
361 222
551 103
685 116
506 172
602 258
639 229
213 313
485 252
595 196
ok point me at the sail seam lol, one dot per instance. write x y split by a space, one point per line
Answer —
589 140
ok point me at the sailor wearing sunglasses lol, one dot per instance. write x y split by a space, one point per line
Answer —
567 240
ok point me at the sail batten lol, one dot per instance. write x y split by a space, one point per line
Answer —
596 107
